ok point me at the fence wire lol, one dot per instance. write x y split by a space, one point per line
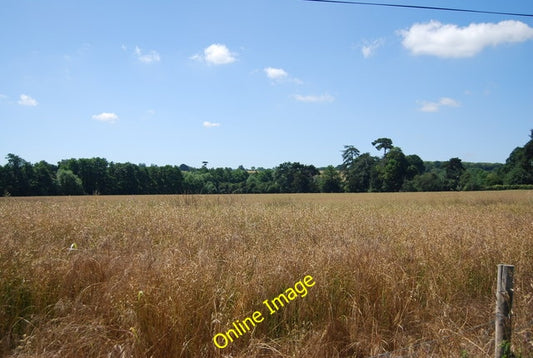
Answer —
433 341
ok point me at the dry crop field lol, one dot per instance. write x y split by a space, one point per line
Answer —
161 276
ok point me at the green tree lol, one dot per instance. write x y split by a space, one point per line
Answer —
517 176
330 180
170 180
124 178
18 175
392 170
428 182
253 185
362 174
415 166
473 179
518 168
454 170
383 143
296 178
349 154
193 182
93 173
262 181
45 182
69 183
3 182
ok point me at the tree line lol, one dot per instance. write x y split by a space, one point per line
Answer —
359 172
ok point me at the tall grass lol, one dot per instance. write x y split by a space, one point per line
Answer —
159 276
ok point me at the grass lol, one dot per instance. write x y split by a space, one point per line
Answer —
159 276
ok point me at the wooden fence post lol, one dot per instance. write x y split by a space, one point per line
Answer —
504 303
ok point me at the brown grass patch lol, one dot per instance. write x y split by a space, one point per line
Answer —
161 275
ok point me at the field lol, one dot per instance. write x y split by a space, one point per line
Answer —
160 276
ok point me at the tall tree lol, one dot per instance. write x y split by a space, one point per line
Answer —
393 170
361 175
383 143
19 175
349 154
454 169
45 182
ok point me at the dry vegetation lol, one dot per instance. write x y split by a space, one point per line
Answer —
159 276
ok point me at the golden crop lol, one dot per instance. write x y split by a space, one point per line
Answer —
159 276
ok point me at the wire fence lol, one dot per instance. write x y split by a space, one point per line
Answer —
397 353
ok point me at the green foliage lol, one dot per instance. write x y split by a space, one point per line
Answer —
193 182
395 171
330 180
262 181
362 174
45 181
69 183
383 143
19 176
518 168
511 187
93 173
454 170
473 179
415 166
506 351
296 178
349 155
426 182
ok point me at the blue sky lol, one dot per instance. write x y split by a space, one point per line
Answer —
258 83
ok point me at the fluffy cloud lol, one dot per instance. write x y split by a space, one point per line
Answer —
313 98
150 57
452 41
436 106
106 117
26 100
208 124
276 74
216 54
369 48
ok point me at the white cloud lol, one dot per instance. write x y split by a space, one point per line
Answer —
279 75
436 106
216 54
106 117
26 100
452 41
150 57
208 124
3 96
313 98
369 48
276 74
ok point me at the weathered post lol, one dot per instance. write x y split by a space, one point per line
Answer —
504 303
